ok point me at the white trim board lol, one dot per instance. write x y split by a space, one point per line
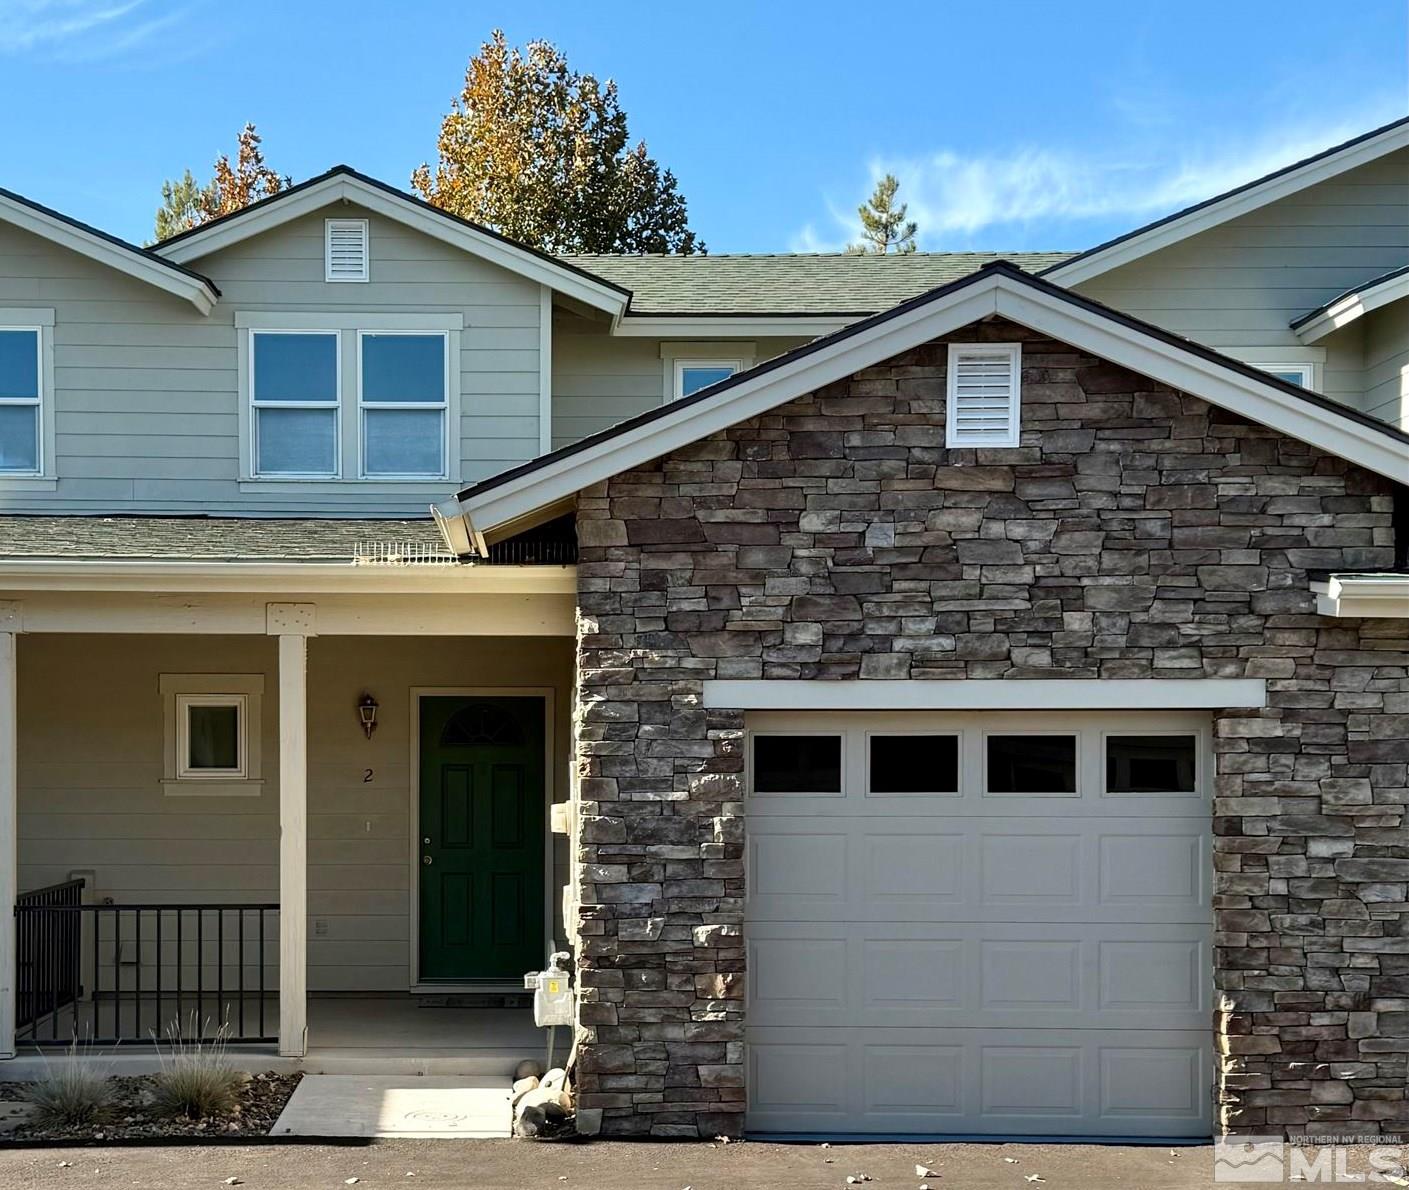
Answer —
1218 210
506 505
1356 304
1057 694
125 258
1377 596
345 186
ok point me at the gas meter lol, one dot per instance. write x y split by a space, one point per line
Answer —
552 995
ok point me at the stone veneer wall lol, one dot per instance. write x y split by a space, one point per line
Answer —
1137 533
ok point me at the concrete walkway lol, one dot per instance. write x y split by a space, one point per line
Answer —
339 1105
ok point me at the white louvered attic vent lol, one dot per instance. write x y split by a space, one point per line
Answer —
346 249
984 391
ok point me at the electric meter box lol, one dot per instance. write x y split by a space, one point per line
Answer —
552 994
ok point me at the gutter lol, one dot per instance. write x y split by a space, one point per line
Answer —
1383 596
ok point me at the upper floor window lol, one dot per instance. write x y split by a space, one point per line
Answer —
21 400
294 385
396 386
403 396
691 375
984 395
1301 374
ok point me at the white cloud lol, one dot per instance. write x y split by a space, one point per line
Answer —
80 30
952 194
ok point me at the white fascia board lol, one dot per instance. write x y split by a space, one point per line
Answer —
95 247
742 326
1209 380
995 694
1220 211
1369 596
565 477
281 578
467 239
1355 305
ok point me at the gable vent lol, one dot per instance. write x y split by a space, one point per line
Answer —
347 249
983 399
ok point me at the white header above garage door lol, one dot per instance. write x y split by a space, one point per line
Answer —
1103 694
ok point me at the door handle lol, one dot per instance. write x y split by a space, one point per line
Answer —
425 859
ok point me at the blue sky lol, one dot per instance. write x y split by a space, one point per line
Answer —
1013 124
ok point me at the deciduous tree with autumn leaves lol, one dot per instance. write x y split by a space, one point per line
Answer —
542 154
530 148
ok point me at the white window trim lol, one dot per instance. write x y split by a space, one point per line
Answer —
443 406
328 225
40 323
926 733
679 367
678 356
180 692
185 703
1018 732
951 373
254 405
347 323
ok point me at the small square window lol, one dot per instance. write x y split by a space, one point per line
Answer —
1032 764
212 736
797 764
1151 763
211 741
914 764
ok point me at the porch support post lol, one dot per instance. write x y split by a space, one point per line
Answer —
292 623
9 822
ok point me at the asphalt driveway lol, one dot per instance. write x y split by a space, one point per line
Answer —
522 1165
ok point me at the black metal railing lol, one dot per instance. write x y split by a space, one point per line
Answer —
144 969
48 964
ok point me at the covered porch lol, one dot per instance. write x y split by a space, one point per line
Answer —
312 896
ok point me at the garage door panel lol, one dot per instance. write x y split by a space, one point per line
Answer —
1156 871
991 975
1038 1082
979 962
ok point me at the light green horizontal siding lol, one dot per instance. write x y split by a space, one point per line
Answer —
1237 287
146 405
599 380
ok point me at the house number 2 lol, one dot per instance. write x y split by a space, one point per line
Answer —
367 777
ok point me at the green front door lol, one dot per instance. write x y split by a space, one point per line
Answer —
481 836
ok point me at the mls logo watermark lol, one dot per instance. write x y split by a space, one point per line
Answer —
1269 1159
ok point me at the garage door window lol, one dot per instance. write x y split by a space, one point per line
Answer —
797 764
1151 763
1032 764
914 764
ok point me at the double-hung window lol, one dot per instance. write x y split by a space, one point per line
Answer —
21 401
295 384
403 402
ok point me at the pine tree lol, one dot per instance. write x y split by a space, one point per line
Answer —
185 203
541 153
884 227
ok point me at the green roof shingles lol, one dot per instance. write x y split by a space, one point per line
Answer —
196 539
836 283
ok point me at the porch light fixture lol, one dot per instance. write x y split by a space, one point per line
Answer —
367 714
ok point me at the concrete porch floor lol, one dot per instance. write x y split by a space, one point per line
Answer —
390 1034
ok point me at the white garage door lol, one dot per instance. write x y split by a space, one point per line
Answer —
980 923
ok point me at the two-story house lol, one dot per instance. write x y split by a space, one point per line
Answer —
926 694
